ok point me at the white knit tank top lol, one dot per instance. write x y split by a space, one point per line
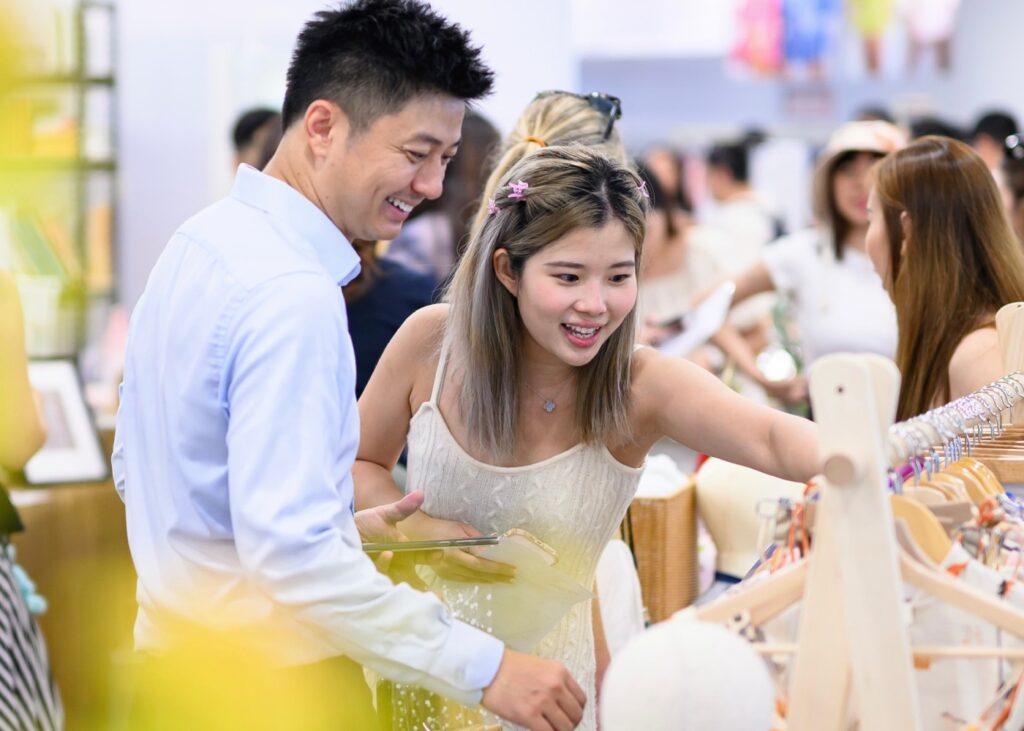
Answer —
573 501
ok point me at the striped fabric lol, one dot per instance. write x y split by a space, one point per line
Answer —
29 700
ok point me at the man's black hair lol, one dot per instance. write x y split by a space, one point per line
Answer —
997 125
247 125
371 57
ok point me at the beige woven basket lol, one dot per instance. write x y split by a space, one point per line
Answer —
665 545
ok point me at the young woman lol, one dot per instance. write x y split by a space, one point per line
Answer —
524 401
837 300
940 240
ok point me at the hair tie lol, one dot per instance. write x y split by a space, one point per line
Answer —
492 207
517 190
535 140
643 188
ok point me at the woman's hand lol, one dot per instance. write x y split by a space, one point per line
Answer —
457 564
790 391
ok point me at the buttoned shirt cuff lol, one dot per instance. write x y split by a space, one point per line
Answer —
471 657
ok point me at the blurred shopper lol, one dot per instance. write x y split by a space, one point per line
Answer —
256 135
989 135
836 298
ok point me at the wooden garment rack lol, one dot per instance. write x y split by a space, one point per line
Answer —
852 634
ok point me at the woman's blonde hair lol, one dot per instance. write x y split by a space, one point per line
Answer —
549 121
961 264
570 188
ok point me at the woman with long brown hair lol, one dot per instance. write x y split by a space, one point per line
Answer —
939 237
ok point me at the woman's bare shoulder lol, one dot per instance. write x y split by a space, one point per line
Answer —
976 362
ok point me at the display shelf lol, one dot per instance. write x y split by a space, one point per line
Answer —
58 182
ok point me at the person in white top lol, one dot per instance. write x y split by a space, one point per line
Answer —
526 403
838 301
680 258
237 428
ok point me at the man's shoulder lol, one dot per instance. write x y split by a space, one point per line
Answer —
247 243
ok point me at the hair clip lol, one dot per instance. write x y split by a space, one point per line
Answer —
643 188
492 207
517 190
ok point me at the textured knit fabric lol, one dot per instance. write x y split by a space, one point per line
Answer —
573 501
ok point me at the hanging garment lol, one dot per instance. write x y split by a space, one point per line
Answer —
759 36
809 27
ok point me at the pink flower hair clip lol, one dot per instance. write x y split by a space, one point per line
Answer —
492 207
517 190
643 189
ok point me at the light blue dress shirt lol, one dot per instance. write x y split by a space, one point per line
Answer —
236 435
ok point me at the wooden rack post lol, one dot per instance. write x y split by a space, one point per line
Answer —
851 625
1010 324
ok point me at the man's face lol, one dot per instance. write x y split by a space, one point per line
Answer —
369 182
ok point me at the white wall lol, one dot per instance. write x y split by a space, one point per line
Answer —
186 72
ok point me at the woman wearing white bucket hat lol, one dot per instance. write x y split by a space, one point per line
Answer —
838 301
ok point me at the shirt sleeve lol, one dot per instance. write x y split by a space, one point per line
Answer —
293 430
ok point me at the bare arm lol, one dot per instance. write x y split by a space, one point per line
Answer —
754 280
736 347
385 408
677 399
21 426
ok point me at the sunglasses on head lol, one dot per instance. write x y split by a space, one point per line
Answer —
608 105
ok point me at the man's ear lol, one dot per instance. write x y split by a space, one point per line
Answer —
905 225
325 124
502 263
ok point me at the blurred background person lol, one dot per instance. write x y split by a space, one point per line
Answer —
378 301
740 213
680 258
1012 186
666 164
933 125
255 136
835 298
989 134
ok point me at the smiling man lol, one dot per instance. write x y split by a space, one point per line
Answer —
238 427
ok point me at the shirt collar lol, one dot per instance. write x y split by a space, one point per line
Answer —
286 204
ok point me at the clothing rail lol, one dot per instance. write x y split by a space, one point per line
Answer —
954 428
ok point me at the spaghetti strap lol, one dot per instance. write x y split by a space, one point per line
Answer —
442 366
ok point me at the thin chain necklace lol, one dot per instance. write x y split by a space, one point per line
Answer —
549 403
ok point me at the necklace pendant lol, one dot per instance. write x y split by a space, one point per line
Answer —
549 405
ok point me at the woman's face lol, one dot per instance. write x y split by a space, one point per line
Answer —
876 242
850 188
575 292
